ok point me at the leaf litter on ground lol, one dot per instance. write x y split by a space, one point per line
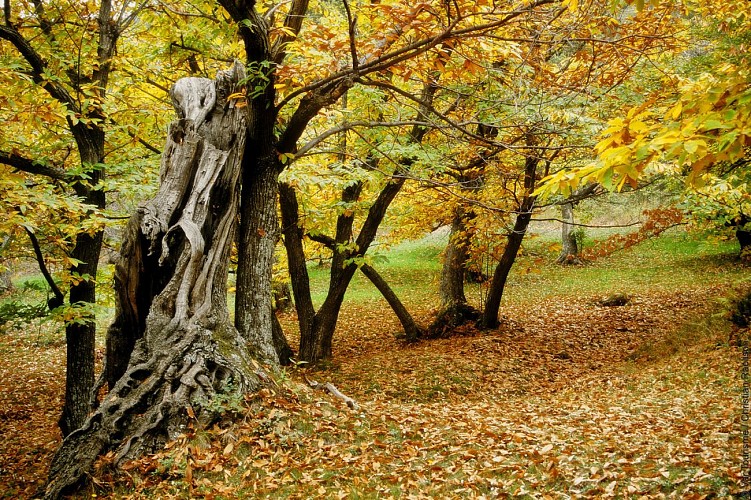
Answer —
567 399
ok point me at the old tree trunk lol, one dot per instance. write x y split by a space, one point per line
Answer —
172 321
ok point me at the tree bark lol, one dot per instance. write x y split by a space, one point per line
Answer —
80 337
188 350
454 262
569 246
259 232
489 317
411 330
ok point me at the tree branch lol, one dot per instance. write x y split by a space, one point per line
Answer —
59 296
31 166
409 51
352 24
324 240
38 67
292 27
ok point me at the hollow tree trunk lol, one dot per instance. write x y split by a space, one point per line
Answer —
489 317
569 246
189 350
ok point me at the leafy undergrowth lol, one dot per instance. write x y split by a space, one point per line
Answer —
566 399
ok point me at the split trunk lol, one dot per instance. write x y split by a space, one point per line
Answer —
172 326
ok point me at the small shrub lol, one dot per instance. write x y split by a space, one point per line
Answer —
740 313
16 310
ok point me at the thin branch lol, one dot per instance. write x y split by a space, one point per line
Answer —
59 295
554 219
416 48
351 126
352 24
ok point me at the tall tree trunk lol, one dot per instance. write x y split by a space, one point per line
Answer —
90 137
189 350
259 232
489 317
80 336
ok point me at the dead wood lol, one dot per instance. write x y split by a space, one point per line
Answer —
172 325
331 389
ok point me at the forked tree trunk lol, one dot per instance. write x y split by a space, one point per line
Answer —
176 251
489 317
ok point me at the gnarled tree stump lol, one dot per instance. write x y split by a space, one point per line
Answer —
173 346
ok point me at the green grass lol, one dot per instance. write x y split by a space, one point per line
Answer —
674 260
411 268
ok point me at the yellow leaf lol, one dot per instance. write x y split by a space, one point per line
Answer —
675 113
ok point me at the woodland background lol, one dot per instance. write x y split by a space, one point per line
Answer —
550 198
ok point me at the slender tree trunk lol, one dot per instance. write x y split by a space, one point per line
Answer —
411 330
570 248
454 262
189 350
80 336
90 138
259 232
296 262
493 302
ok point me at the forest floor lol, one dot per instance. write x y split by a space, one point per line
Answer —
566 399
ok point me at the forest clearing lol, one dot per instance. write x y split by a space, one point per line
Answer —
567 399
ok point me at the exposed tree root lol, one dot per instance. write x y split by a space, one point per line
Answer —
452 317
